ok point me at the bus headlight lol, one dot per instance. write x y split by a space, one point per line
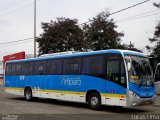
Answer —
133 98
133 94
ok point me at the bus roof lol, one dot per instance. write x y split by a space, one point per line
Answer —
111 51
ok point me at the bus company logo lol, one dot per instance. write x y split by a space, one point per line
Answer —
76 81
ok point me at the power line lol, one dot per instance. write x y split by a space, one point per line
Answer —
142 15
10 4
121 20
8 12
26 39
119 10
10 9
129 7
81 23
15 44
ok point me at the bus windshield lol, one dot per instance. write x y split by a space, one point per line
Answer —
139 70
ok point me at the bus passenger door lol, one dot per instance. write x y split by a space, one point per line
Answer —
112 82
123 85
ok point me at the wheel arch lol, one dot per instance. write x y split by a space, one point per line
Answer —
27 88
89 92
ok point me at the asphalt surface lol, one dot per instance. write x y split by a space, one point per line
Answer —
14 107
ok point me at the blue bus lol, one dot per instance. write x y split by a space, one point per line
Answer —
106 77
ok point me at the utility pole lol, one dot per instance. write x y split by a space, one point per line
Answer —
35 28
130 45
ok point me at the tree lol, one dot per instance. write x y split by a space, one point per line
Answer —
61 35
66 35
100 33
155 50
129 47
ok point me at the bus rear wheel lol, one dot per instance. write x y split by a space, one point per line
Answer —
28 94
94 101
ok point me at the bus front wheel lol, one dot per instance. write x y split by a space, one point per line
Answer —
94 101
28 94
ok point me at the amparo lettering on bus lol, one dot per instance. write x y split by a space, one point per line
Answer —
71 81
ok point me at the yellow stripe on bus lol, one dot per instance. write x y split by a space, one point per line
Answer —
60 91
69 92
10 88
114 95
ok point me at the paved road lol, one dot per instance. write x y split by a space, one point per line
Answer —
16 107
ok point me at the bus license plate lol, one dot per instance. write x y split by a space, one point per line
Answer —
147 102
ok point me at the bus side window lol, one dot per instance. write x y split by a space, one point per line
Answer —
72 66
93 65
54 67
13 69
39 68
16 69
113 70
27 68
8 69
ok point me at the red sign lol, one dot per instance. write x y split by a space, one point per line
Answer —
16 56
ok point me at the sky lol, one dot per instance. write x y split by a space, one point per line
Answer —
17 20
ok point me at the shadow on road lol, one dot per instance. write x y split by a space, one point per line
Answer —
1 88
113 109
117 109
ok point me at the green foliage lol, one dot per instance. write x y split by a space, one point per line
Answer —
129 47
155 50
66 35
100 33
60 36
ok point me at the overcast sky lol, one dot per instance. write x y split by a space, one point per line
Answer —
16 19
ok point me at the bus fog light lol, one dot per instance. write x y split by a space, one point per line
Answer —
133 103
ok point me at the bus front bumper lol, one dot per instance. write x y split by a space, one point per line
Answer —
134 100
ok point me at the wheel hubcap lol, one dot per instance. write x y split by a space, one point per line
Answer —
94 101
28 95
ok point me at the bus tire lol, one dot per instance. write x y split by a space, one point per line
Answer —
94 101
28 94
